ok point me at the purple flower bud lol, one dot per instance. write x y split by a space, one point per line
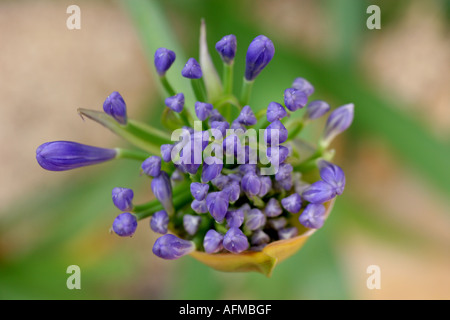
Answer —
247 117
170 247
247 168
232 145
266 185
233 190
220 181
192 70
251 184
277 154
164 58
319 192
122 198
115 106
285 184
235 218
245 208
226 47
125 224
177 175
250 156
152 166
166 152
215 116
235 241
213 241
275 133
273 208
313 216
275 111
211 168
237 177
217 203
303 85
199 190
222 126
287 233
162 189
333 175
67 155
338 121
277 223
203 110
159 222
284 172
293 203
259 237
191 223
317 108
236 125
176 102
259 54
255 219
294 99
199 206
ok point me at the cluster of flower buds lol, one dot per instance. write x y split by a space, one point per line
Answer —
229 179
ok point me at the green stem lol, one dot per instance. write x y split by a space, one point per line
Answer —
228 78
198 90
131 154
179 201
146 132
165 83
296 128
246 92
184 117
261 113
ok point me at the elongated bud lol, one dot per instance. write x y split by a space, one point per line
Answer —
213 241
152 166
203 110
317 108
255 219
247 117
162 189
67 155
166 152
338 121
226 47
176 102
192 70
319 192
260 52
333 175
115 106
235 241
275 111
313 216
293 203
160 222
191 223
294 99
164 58
303 85
171 247
125 224
123 198
273 208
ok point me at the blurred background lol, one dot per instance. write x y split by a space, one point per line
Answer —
395 212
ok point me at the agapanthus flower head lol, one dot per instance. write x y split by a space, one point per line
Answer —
260 52
317 108
171 247
125 224
159 222
115 106
303 85
294 99
192 69
226 47
123 198
67 155
338 121
275 111
235 241
176 102
164 58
